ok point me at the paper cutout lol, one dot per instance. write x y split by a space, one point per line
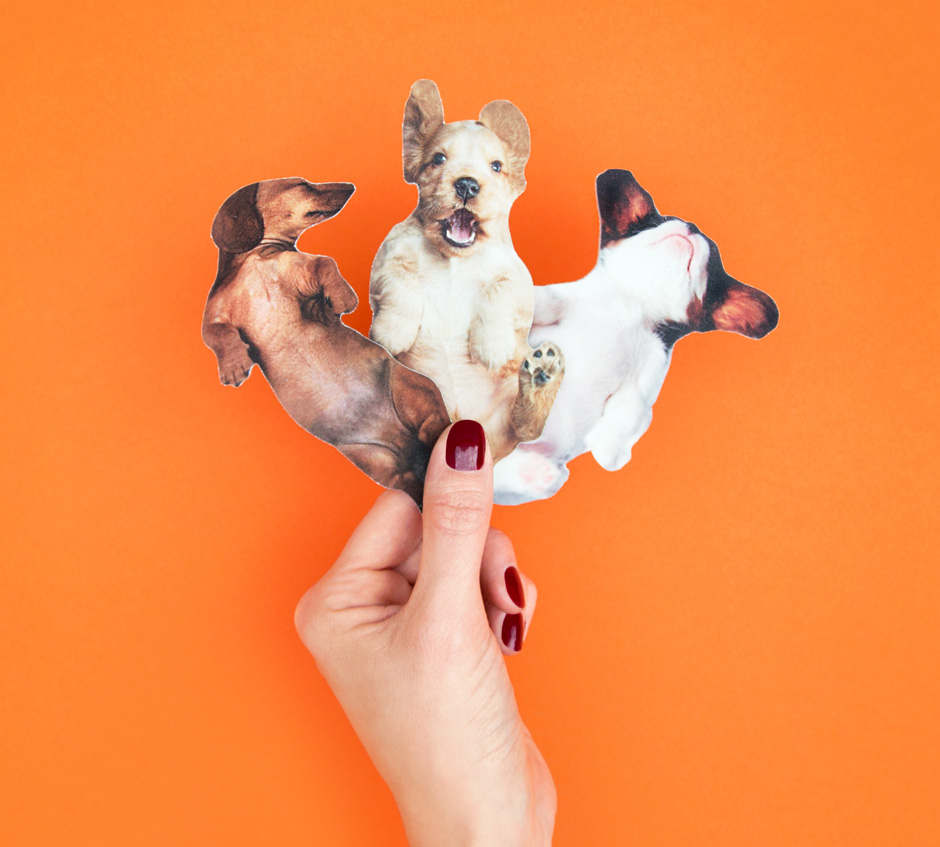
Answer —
458 329
450 297
657 279
281 309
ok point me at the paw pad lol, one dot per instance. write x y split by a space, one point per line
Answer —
545 364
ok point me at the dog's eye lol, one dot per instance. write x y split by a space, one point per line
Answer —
438 159
496 166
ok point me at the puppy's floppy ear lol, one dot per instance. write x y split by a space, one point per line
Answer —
505 119
424 115
625 206
238 226
732 306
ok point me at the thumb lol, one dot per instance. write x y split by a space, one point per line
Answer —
458 500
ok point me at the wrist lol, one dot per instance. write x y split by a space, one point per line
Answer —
523 821
480 833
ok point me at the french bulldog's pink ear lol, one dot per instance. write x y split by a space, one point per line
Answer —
732 306
505 119
424 115
238 226
624 205
746 310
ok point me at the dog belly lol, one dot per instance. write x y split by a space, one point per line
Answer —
593 371
606 347
469 389
334 385
441 352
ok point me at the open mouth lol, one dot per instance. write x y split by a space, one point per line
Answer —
460 229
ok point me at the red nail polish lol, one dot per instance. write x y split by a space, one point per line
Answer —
514 587
512 632
466 446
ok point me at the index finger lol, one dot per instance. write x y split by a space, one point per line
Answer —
386 536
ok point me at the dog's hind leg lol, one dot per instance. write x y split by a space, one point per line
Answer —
418 404
386 467
627 415
423 417
526 475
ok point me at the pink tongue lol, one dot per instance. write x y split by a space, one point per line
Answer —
461 225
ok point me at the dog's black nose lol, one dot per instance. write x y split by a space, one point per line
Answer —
467 187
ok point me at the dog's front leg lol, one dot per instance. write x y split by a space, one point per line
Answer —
397 303
493 330
225 341
626 416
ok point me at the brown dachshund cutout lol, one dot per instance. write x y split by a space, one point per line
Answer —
281 309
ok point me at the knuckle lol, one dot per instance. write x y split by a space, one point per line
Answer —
310 620
458 512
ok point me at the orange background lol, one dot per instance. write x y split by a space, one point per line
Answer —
737 635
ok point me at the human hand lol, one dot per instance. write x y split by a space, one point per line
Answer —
409 628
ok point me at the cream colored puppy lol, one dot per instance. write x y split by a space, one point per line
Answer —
450 297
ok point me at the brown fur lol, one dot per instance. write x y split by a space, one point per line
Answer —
280 309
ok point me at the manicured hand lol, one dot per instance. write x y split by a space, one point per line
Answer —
409 628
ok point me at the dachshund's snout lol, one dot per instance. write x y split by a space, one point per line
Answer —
466 187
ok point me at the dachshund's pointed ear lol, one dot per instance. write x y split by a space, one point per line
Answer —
505 119
238 226
424 115
624 205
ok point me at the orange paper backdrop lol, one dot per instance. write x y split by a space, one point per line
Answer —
737 635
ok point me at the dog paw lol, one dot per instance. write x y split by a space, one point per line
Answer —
540 375
544 366
235 371
395 335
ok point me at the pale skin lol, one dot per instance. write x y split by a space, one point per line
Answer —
407 628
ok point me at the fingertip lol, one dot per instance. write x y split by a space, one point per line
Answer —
393 498
461 456
500 577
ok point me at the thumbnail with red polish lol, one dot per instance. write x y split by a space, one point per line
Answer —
466 446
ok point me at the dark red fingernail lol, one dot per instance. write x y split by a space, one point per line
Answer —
514 587
466 446
512 632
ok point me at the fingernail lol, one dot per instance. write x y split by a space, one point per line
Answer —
514 587
466 446
512 632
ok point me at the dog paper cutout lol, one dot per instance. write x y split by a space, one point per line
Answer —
657 279
450 297
280 309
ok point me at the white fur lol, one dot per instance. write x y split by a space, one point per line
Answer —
615 361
